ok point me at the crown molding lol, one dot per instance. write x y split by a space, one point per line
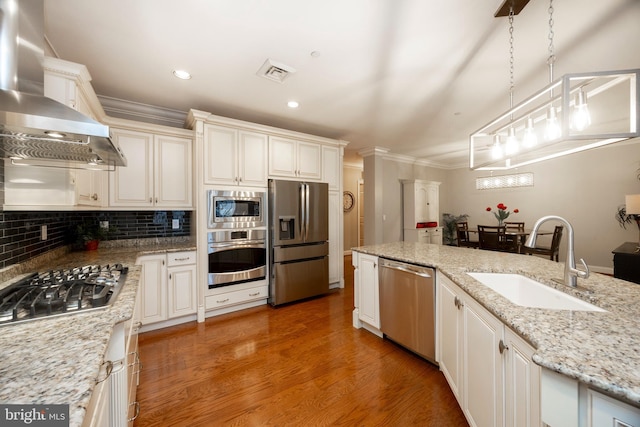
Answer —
136 111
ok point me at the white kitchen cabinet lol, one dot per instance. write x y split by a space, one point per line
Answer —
605 411
292 158
112 396
482 366
331 167
182 292
424 235
92 188
487 366
152 291
367 290
159 171
168 289
450 333
227 299
522 383
234 157
134 365
569 403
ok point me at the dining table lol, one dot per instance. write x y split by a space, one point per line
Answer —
520 235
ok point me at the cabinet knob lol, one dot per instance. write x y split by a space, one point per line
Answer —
502 347
94 196
150 200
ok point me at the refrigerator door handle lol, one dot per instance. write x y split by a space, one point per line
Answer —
306 216
302 213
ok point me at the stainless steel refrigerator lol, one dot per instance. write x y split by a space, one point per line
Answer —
298 247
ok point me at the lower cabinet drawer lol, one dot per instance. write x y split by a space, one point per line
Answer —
235 297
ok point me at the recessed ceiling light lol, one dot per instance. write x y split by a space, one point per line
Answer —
181 74
293 104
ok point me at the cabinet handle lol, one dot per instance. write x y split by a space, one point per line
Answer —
156 200
223 301
458 302
169 276
94 196
502 347
254 295
162 262
150 200
181 259
137 404
108 370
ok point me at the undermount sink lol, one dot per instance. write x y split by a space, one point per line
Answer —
526 292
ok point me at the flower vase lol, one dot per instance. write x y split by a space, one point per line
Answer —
500 223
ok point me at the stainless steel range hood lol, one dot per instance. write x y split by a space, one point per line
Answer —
33 126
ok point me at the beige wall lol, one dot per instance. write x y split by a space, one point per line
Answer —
352 174
584 188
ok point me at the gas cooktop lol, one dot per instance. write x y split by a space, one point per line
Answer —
61 292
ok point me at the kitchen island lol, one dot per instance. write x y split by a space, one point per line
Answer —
56 360
599 349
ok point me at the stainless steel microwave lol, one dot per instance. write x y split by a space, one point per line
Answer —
235 209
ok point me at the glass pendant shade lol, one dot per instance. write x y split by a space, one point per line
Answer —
529 139
613 115
580 118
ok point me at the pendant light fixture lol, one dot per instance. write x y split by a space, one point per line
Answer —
577 112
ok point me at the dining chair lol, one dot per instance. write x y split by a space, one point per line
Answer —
514 242
551 251
492 238
462 229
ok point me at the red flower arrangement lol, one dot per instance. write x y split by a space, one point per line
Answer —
502 213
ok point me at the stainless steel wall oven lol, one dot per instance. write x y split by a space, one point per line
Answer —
236 256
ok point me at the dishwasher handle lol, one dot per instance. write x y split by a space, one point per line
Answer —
407 268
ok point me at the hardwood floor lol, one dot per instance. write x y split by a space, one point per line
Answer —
301 364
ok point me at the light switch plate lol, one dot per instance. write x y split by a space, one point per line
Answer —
175 224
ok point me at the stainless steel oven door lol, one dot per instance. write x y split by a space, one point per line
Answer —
236 257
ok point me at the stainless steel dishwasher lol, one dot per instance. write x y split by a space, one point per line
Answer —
407 306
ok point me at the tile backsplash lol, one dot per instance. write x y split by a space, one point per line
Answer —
21 232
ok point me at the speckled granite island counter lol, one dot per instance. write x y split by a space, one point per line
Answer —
56 360
601 349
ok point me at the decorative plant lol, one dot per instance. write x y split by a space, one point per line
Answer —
502 213
89 231
449 234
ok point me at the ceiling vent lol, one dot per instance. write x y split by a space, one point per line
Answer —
275 71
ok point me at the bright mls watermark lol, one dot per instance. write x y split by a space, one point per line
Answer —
34 415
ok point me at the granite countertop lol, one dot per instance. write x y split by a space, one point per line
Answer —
56 360
600 349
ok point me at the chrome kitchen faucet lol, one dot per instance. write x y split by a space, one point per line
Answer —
571 273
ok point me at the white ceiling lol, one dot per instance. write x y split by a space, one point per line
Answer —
413 76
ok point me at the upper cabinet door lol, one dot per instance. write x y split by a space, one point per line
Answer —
133 185
252 159
220 155
158 172
291 158
234 157
331 167
282 157
309 161
173 172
